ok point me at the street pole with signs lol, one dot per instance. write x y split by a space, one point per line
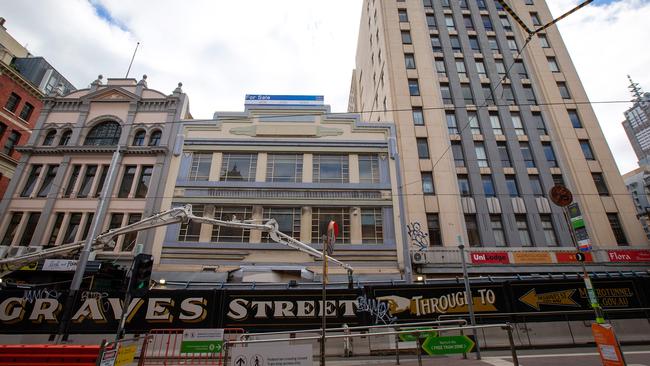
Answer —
328 248
468 296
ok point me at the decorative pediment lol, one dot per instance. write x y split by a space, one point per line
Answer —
111 94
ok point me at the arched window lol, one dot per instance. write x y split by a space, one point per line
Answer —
154 140
65 138
49 138
104 134
138 139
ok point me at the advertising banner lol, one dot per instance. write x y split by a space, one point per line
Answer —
489 257
532 257
570 257
630 255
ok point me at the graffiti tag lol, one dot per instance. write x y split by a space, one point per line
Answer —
417 236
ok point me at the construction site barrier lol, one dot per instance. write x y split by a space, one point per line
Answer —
163 347
46 354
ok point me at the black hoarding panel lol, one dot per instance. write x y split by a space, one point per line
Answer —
276 310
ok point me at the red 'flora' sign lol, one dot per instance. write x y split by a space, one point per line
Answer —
632 255
490 257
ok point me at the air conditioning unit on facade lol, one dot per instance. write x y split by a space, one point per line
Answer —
419 257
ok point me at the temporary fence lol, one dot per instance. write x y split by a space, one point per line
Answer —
47 354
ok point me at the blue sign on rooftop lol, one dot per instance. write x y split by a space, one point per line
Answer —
284 99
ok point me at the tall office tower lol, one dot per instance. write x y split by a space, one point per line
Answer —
637 123
496 125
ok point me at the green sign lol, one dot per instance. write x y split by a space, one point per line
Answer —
447 345
202 341
412 337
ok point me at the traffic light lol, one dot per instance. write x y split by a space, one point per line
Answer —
140 274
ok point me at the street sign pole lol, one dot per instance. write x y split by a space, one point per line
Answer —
468 296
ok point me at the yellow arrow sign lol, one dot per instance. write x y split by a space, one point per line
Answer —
558 298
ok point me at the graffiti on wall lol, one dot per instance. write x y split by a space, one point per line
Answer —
419 238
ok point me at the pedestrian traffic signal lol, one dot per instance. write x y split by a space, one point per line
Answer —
140 274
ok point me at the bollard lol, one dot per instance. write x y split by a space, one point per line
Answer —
419 353
513 350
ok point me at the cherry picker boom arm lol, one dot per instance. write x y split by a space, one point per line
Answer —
174 215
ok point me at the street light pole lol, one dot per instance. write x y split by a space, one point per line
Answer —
468 296
323 306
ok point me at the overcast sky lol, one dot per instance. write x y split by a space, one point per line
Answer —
222 50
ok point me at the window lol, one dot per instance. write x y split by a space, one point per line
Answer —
12 102
516 123
12 141
368 168
26 112
460 68
130 238
457 152
138 138
519 69
104 134
73 227
512 44
505 22
463 4
543 40
496 124
467 20
564 91
511 184
73 180
65 138
552 64
468 97
431 21
503 154
480 68
331 169
522 228
49 138
455 43
372 231
446 94
481 156
529 95
86 184
550 154
575 119
497 230
601 186
586 150
143 183
481 4
288 219
487 23
16 217
549 232
619 234
418 116
474 126
528 2
200 168
433 226
449 22
427 183
403 16
536 185
423 147
285 168
535 18
154 139
558 180
56 228
191 231
127 181
238 167
472 231
539 124
507 95
414 87
445 3
527 154
30 228
488 186
31 180
440 67
320 218
436 46
102 179
473 43
463 186
501 69
406 37
409 60
221 234
487 95
3 128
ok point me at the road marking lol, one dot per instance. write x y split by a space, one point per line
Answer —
575 354
496 361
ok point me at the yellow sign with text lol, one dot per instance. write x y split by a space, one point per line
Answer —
125 355
532 257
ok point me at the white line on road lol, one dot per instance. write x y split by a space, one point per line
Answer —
496 361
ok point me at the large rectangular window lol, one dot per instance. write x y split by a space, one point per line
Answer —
436 46
449 22
463 186
12 102
564 90
575 119
549 232
414 87
423 147
619 234
143 183
457 152
481 155
331 169
496 124
427 183
12 228
536 185
12 141
511 184
433 226
586 150
474 125
516 123
31 181
30 228
26 112
73 228
86 184
238 167
372 226
497 230
191 231
48 180
102 179
368 168
601 186
488 186
538 122
320 218
130 238
200 168
409 60
503 154
473 236
288 219
445 92
402 15
127 181
406 37
550 154
284 168
527 154
468 97
522 229
221 234
72 181
56 228
418 116
441 69
452 125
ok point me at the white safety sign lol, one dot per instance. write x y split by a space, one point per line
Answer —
272 355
